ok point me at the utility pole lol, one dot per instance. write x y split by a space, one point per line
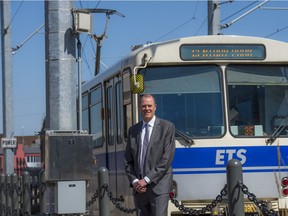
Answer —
7 83
60 66
60 58
213 17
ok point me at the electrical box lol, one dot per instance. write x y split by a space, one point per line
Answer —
68 156
71 197
83 22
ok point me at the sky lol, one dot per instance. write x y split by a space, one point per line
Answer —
144 22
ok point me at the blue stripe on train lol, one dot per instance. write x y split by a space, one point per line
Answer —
264 157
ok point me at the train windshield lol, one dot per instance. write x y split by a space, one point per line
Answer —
258 99
189 96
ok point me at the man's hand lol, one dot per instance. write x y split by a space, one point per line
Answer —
140 186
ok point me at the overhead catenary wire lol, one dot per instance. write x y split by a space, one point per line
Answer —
108 13
14 15
204 21
243 15
278 30
181 25
173 30
28 38
275 8
239 11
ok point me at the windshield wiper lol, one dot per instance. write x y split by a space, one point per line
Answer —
277 132
187 138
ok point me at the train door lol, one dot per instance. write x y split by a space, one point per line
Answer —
115 146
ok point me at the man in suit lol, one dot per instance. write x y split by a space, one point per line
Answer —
148 158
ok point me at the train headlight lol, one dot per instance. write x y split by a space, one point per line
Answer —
284 184
284 192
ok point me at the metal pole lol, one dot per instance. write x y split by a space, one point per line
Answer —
79 47
42 194
235 194
2 195
60 66
213 17
103 178
26 194
61 80
15 197
98 55
8 197
7 82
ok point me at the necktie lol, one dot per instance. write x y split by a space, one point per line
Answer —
145 147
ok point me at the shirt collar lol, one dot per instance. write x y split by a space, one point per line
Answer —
150 123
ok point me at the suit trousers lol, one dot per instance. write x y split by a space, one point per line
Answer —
151 204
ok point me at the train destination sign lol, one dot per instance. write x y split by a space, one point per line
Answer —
222 52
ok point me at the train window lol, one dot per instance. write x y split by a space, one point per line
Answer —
128 119
109 116
189 96
126 88
258 99
96 117
127 108
119 112
85 114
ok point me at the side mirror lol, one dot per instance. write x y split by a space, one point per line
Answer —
137 83
137 80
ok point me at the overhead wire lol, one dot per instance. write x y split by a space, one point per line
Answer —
204 21
84 57
276 32
92 45
181 25
239 11
173 30
15 14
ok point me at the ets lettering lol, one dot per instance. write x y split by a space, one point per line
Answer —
224 155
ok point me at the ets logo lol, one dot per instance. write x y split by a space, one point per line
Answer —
224 155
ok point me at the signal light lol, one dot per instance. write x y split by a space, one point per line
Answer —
284 182
285 192
171 194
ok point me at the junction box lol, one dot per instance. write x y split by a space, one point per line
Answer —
68 156
68 166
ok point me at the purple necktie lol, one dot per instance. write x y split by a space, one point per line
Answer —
144 149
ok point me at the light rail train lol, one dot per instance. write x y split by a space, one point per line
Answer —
228 98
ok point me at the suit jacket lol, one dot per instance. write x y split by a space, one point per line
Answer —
159 156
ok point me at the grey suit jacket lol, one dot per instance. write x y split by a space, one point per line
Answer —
159 156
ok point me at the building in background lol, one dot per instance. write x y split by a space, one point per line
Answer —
27 155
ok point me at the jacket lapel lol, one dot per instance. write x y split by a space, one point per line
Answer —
153 134
138 147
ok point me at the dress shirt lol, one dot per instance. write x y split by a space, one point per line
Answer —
150 125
